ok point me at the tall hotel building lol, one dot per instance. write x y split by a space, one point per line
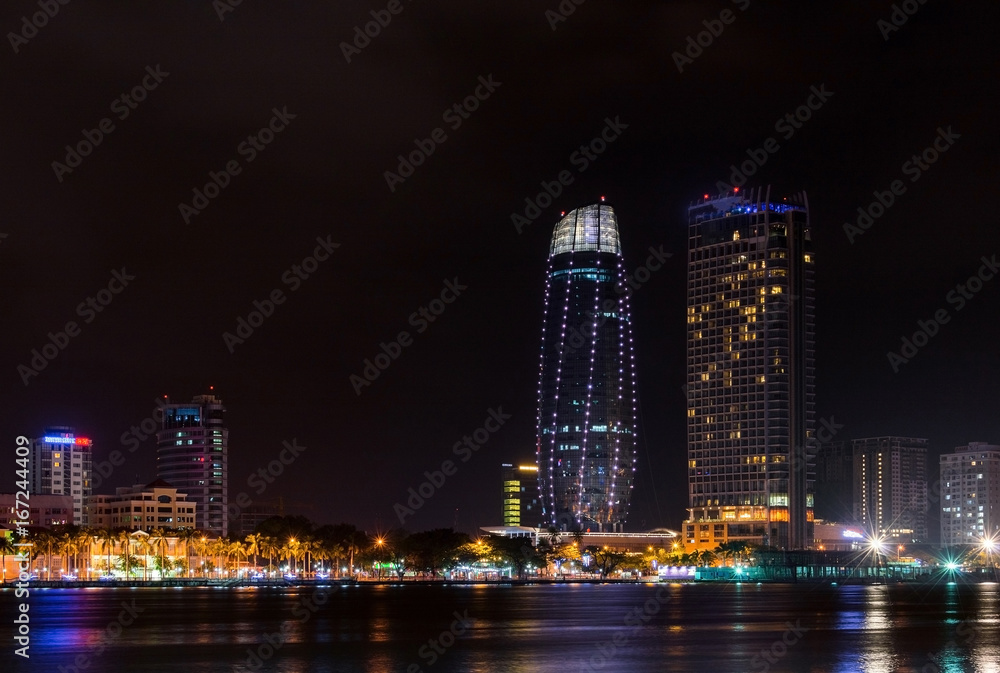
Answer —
970 494
192 455
586 441
750 370
890 487
60 465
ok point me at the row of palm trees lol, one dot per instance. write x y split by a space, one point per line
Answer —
302 549
185 551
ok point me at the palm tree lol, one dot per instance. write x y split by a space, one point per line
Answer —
107 539
6 547
159 543
201 545
143 546
312 548
214 548
68 545
270 545
724 550
254 546
355 543
292 549
85 538
126 544
237 549
44 539
185 535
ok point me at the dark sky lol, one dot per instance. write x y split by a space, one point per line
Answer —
323 175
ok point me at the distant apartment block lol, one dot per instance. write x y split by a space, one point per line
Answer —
890 487
970 494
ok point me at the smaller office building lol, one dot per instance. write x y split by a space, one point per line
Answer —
138 507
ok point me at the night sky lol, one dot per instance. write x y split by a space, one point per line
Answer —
65 230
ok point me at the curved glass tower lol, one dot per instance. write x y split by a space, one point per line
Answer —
586 390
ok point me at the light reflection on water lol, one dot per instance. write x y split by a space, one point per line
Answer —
528 629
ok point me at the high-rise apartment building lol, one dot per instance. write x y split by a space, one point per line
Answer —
520 495
586 441
192 455
890 487
60 465
750 370
970 494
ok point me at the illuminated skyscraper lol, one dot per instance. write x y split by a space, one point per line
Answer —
750 371
192 455
60 465
586 441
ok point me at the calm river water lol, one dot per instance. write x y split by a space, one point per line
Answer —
521 629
